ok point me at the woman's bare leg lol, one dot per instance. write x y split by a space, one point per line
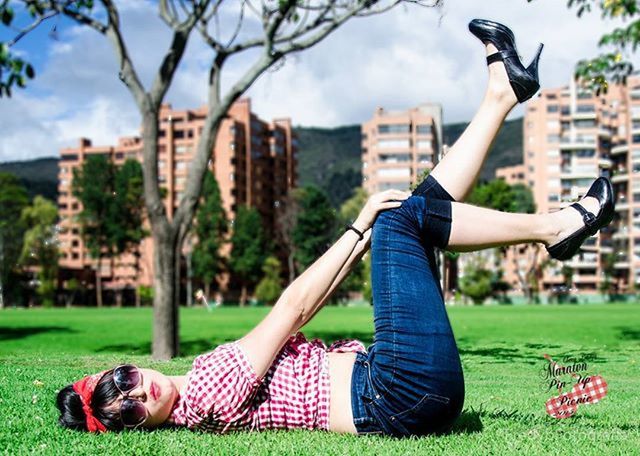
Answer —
476 228
459 168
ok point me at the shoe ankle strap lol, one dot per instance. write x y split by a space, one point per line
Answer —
501 55
588 218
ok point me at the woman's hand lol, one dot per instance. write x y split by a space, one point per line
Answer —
379 202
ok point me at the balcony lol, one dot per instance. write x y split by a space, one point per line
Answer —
605 163
620 149
604 132
619 175
582 263
568 143
621 265
584 115
621 234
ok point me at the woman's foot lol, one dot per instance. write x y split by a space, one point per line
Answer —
524 81
567 221
594 217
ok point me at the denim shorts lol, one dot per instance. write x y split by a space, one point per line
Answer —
410 381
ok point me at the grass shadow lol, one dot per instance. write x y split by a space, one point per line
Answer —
187 347
629 333
11 333
499 354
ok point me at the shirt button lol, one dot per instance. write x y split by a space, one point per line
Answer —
393 418
377 396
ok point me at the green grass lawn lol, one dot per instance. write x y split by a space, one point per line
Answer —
501 349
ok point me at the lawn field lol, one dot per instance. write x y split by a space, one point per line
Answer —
501 347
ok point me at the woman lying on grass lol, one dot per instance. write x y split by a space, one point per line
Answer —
410 380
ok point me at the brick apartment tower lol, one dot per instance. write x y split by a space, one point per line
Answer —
255 164
570 138
398 146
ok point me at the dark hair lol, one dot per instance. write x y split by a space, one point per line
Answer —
72 415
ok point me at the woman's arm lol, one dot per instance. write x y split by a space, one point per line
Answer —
306 295
356 255
314 283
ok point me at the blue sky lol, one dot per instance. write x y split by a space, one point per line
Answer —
405 57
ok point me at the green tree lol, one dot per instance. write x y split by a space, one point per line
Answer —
41 247
13 199
211 230
288 27
93 185
249 248
615 62
269 288
607 286
315 228
476 283
128 215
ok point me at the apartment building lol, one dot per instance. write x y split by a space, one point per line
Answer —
570 137
254 162
397 146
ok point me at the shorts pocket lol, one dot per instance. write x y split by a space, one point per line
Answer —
424 402
430 414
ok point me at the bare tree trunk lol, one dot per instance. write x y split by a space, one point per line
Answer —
292 268
99 282
207 289
243 295
165 308
137 269
119 293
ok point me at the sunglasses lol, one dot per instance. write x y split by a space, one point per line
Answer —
128 377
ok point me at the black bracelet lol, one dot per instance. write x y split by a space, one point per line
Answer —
351 227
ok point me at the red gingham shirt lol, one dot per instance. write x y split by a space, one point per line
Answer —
223 392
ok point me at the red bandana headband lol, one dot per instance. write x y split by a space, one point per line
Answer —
85 388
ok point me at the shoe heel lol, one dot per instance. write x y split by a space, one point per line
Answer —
532 69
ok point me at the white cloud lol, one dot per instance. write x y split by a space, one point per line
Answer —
397 60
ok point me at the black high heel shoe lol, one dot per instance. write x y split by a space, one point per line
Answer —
524 81
602 190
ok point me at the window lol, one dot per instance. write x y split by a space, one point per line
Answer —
68 157
178 134
183 149
119 155
564 110
423 129
394 172
554 197
425 158
423 144
553 138
584 108
394 158
553 124
394 128
585 123
585 153
635 139
552 108
232 176
394 144
553 153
